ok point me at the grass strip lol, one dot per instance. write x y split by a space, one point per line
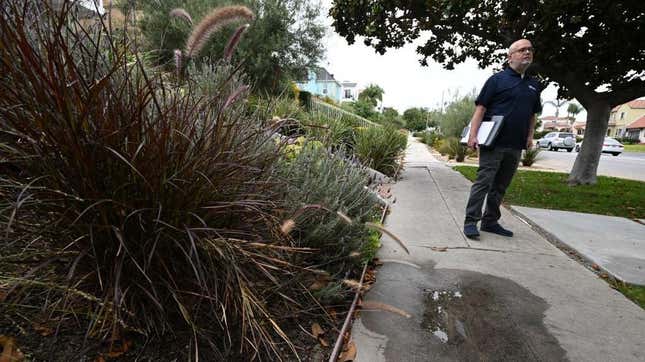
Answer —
634 148
549 190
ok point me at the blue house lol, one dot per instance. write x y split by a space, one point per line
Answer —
321 83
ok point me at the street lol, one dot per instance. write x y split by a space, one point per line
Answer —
629 165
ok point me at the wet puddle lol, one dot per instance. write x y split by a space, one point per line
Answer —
473 319
461 316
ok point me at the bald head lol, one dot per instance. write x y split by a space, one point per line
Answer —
520 55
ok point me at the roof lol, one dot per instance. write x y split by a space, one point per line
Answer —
322 74
556 124
637 104
554 118
639 123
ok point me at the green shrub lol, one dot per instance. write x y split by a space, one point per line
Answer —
529 156
451 147
430 138
539 134
332 132
627 140
317 177
380 148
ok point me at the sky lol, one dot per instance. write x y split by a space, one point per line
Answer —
406 83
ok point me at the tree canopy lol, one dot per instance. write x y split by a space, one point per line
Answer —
280 44
373 93
580 44
415 118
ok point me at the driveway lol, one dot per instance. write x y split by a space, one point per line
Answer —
629 165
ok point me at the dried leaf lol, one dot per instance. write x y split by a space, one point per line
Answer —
352 284
9 351
318 285
439 248
316 330
367 304
118 349
349 353
323 342
42 329
287 226
595 266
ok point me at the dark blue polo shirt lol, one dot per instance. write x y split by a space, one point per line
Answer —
517 99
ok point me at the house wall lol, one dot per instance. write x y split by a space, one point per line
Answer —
322 87
617 125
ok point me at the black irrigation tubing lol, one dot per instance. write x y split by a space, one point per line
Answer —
339 340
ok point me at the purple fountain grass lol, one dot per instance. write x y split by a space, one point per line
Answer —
233 41
213 22
181 14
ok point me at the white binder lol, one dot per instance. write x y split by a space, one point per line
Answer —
487 131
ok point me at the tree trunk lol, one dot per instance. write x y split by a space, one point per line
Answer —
586 165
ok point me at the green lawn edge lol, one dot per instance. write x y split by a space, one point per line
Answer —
549 190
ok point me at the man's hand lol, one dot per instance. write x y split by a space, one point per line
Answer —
472 142
529 143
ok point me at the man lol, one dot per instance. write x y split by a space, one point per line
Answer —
517 97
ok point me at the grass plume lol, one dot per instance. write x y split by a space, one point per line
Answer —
181 14
233 41
213 22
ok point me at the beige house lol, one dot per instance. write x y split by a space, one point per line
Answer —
623 115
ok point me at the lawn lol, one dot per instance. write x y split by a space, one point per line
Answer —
549 190
634 148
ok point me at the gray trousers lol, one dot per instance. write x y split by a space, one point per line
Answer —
496 170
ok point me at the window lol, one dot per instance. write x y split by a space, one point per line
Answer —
325 91
622 115
348 93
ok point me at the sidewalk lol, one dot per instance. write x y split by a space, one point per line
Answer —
498 298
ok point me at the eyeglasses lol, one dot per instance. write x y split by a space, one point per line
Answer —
525 49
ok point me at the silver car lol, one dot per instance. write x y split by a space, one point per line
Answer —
557 140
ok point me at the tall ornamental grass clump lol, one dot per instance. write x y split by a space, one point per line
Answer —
380 148
529 156
144 205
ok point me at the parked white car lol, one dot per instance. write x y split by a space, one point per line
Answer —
557 140
610 145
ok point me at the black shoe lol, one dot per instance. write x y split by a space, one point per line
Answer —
497 229
471 231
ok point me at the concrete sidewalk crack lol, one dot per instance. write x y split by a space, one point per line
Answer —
448 207
446 248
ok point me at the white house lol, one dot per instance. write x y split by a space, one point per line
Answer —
349 91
